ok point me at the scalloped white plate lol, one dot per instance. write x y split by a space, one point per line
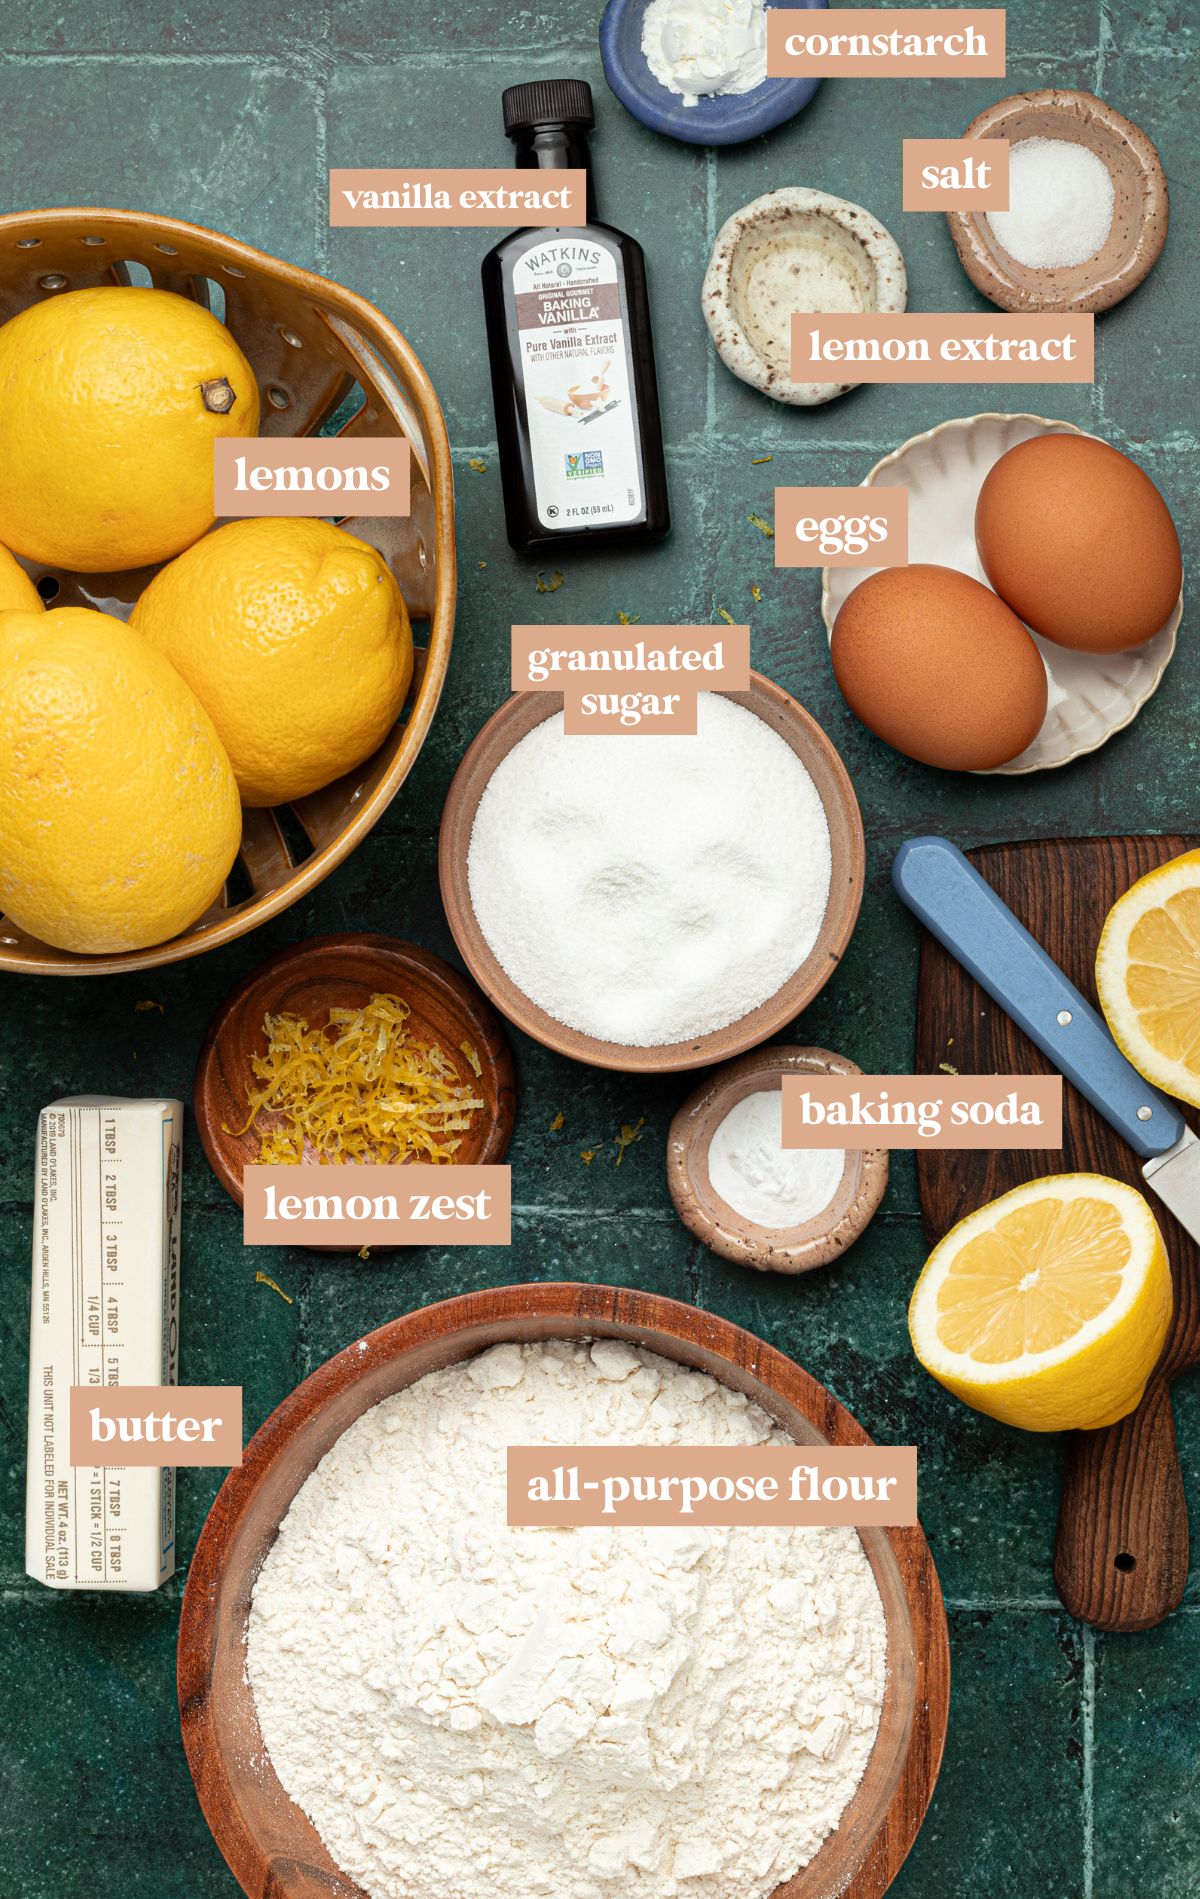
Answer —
1092 695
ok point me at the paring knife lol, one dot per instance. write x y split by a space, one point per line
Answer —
1121 1557
962 910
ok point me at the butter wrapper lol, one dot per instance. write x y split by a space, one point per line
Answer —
105 1312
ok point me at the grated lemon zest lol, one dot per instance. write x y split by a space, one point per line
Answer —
362 1089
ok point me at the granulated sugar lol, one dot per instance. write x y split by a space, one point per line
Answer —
464 1709
649 889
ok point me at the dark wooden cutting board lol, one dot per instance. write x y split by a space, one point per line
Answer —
1121 1559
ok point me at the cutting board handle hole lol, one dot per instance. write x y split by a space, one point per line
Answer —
1124 1561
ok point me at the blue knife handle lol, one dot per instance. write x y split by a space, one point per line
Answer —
962 910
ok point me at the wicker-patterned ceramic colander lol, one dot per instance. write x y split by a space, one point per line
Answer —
312 346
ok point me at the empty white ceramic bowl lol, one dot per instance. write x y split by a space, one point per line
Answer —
795 250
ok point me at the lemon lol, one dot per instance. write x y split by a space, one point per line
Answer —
295 638
1047 1308
1148 975
119 815
17 591
112 399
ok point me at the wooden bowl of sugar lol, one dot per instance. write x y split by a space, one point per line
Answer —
271 1847
516 720
778 1211
1137 228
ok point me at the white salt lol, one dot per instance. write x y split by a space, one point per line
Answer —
702 48
754 1173
1060 204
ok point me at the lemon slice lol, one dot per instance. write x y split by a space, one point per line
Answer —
1148 975
1047 1308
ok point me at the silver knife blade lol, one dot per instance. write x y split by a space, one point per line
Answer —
1175 1178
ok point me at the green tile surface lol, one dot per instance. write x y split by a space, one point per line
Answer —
1071 1770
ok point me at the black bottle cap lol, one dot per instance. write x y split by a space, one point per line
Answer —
548 102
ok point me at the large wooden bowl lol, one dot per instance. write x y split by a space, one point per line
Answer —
314 347
817 754
271 1847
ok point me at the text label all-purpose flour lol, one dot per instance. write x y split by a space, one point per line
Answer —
649 889
464 1709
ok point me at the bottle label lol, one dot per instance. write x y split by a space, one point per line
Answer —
575 364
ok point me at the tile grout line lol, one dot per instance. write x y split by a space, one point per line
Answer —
710 238
355 59
1089 1759
25 1591
320 96
1098 405
695 446
321 208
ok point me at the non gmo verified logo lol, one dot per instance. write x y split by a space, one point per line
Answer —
590 461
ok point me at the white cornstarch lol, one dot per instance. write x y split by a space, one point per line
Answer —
469 1711
701 47
760 1178
649 889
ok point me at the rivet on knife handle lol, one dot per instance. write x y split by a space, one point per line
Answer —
962 910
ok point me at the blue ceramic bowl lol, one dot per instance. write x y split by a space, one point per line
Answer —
714 121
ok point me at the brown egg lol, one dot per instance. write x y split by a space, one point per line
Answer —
940 668
1079 542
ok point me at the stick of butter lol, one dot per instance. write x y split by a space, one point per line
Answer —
105 1312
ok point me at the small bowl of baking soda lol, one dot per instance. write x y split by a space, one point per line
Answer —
1087 211
747 1196
696 70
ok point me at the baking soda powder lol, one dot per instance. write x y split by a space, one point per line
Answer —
464 1708
754 1173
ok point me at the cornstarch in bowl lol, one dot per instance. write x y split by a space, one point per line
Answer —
646 890
460 1707
706 48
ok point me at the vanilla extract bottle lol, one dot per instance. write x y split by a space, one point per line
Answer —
572 357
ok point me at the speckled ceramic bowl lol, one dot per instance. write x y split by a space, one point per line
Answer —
1140 209
1091 695
794 250
798 1249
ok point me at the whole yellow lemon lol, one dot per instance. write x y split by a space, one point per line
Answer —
119 815
295 639
17 591
112 399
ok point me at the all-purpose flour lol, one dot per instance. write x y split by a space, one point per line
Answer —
648 889
468 1711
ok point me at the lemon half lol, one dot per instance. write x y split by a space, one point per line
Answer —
1148 975
1048 1308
